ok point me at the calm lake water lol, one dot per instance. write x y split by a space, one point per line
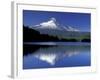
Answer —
58 54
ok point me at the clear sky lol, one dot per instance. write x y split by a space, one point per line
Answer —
80 21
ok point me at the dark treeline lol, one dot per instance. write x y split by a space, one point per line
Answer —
31 35
85 40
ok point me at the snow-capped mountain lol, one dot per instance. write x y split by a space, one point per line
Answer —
53 28
53 24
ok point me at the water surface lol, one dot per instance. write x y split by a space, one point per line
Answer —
53 55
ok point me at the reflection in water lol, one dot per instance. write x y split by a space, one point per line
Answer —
50 58
57 56
52 54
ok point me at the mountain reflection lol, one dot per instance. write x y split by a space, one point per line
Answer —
52 54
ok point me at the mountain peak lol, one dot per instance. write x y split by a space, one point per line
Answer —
53 24
53 19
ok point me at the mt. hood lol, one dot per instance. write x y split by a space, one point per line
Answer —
53 24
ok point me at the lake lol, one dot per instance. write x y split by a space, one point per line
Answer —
38 55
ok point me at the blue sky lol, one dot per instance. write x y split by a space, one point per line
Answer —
81 21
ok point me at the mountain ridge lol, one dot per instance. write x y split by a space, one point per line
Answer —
53 25
51 30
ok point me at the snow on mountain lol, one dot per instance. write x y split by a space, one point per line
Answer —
53 24
69 28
